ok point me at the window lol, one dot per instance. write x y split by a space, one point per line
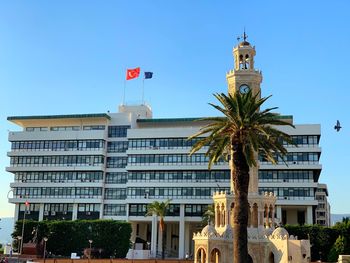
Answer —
116 178
115 193
117 147
118 131
114 210
94 127
117 162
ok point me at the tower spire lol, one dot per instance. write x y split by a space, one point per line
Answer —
245 36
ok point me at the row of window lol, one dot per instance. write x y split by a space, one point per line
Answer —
168 159
179 143
117 147
58 192
58 207
175 176
61 145
118 209
69 160
173 209
66 128
288 191
168 143
302 140
59 177
168 176
170 192
285 176
294 158
117 162
141 210
88 207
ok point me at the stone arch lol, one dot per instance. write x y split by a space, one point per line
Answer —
252 256
215 256
201 255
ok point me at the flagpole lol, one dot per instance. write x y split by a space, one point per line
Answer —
143 90
124 88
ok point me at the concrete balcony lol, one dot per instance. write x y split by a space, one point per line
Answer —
57 135
66 167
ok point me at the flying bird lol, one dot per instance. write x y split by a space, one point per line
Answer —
337 127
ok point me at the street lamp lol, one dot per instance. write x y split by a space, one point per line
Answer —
133 247
45 240
19 238
90 242
26 205
148 248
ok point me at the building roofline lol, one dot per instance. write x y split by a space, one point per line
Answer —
68 116
163 120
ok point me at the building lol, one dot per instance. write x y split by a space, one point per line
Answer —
111 165
323 209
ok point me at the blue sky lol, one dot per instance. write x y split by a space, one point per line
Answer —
65 57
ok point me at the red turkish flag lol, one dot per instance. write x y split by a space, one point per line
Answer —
132 73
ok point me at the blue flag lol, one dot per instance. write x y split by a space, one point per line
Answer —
148 75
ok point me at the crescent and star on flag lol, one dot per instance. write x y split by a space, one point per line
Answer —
135 73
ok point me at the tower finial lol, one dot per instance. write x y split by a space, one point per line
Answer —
245 36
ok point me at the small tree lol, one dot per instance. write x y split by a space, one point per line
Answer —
159 209
337 249
208 215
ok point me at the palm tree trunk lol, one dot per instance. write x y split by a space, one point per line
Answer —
163 244
240 220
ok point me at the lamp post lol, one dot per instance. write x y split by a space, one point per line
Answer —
148 248
45 240
90 242
19 238
26 205
133 247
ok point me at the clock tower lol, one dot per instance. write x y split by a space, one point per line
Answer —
244 76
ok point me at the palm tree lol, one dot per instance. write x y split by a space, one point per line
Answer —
243 132
159 209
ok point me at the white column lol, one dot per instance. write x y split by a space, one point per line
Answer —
309 218
188 238
133 231
182 232
101 210
279 213
160 241
75 212
168 227
17 211
154 236
41 212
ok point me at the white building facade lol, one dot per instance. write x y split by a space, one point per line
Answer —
90 166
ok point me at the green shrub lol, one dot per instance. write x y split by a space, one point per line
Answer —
65 237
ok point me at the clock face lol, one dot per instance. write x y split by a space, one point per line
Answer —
244 89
